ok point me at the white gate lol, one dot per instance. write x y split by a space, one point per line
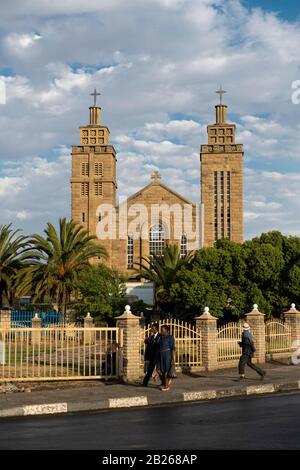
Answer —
187 343
227 341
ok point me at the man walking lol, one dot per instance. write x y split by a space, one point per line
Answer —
151 352
248 349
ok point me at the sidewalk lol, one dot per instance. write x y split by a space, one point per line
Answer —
66 397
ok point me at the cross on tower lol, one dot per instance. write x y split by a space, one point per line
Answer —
155 176
221 92
95 94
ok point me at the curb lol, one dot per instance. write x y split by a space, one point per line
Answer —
144 401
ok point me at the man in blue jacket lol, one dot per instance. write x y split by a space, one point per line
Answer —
248 349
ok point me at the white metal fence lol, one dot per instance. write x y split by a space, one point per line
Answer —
68 353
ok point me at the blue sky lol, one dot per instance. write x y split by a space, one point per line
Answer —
287 9
157 64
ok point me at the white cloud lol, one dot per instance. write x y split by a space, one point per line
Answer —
35 191
23 215
17 42
265 205
272 202
48 8
9 187
157 64
70 80
148 148
174 128
275 35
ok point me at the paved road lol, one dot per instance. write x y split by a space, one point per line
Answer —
251 423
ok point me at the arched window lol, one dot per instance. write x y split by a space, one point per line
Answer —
183 246
156 240
130 252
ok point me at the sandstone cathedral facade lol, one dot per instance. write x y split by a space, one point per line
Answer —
156 215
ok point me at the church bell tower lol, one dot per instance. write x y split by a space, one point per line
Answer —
93 180
222 181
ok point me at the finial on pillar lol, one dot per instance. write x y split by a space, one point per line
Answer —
127 315
206 315
255 312
292 309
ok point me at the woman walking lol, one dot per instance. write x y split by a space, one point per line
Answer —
166 357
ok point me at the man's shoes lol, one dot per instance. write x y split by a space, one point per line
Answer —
242 377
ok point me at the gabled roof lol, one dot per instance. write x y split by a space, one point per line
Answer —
158 183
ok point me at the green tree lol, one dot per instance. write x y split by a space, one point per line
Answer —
266 268
231 277
59 258
203 284
293 283
265 263
101 291
14 255
162 270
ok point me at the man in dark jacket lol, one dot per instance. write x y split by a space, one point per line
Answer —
151 352
248 349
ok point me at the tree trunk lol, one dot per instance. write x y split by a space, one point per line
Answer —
155 306
63 306
1 293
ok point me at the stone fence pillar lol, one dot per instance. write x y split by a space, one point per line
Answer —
292 319
131 359
5 318
257 323
206 324
36 335
89 336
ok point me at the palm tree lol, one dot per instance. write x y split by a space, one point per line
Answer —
14 255
60 257
162 269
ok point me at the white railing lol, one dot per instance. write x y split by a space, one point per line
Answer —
67 353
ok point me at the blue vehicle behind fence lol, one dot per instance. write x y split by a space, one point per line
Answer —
23 319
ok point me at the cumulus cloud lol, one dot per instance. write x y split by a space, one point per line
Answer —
157 64
272 202
147 150
17 42
180 129
35 190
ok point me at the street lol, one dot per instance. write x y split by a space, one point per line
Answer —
251 423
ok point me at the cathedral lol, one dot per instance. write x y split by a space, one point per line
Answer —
156 215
